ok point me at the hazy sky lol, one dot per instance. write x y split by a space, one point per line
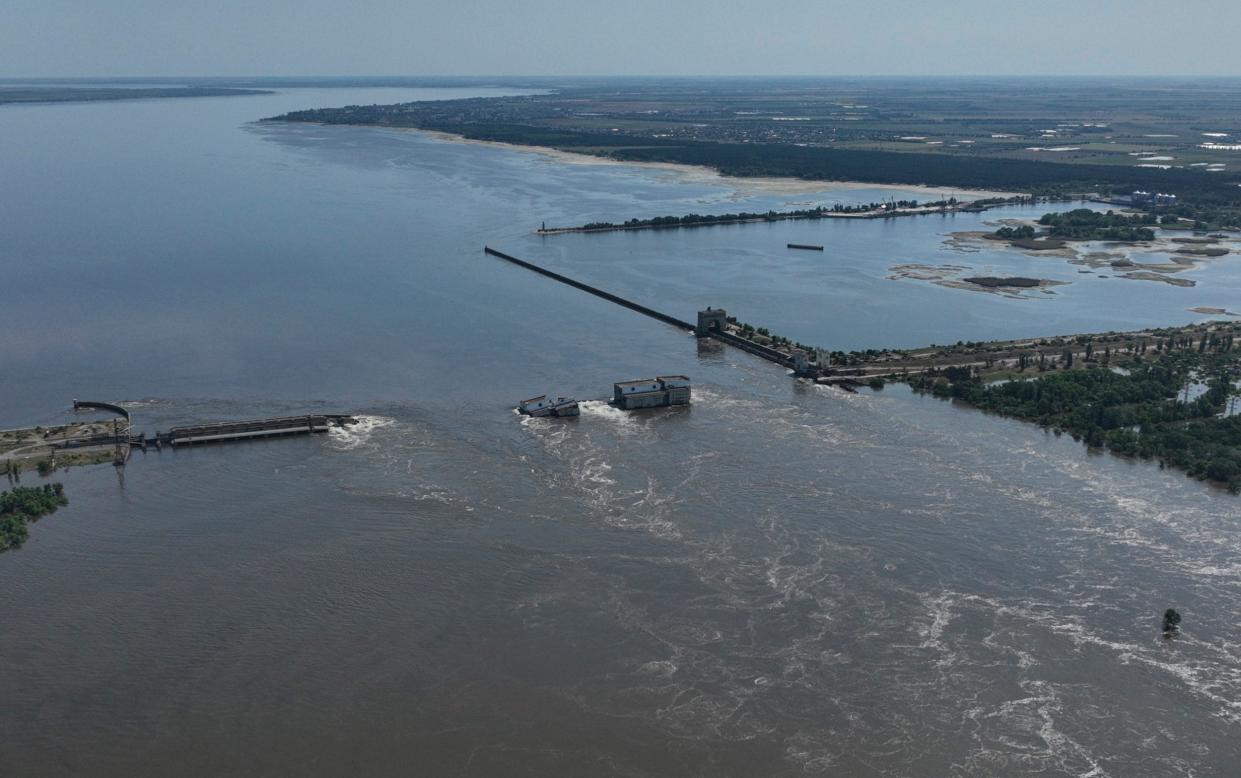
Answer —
535 37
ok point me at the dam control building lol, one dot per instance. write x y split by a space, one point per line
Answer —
651 392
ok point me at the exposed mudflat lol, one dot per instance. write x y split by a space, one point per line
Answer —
1171 255
952 277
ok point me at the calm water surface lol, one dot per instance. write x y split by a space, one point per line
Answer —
779 580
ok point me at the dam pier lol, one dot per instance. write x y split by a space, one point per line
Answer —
711 323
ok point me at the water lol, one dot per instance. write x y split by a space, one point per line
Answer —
780 580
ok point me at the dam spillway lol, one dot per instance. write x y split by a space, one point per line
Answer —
228 431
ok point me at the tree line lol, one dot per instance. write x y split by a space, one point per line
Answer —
696 219
1085 224
1147 411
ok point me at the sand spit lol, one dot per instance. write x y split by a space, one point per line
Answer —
1210 311
1143 275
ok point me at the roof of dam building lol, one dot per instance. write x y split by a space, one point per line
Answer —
656 384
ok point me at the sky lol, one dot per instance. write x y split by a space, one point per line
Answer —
59 38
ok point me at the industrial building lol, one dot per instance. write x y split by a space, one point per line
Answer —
1152 198
651 392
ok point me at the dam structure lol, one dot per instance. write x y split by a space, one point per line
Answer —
712 322
658 392
93 441
206 432
228 431
621 301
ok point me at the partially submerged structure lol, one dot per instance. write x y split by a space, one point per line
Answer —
651 392
545 405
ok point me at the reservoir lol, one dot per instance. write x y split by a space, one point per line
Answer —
781 579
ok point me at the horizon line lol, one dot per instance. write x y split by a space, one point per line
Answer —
989 76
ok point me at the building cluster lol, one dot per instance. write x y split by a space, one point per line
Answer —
1152 198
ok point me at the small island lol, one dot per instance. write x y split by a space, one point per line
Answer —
1080 224
952 277
997 282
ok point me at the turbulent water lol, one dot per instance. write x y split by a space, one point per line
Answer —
782 579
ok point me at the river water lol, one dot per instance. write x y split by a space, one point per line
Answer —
780 580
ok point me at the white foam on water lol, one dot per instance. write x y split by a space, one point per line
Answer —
581 458
1209 680
623 422
663 668
1217 680
940 612
592 475
145 403
550 431
354 436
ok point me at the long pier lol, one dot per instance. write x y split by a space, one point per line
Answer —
631 305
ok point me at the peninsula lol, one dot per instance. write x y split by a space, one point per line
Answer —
993 135
62 94
874 210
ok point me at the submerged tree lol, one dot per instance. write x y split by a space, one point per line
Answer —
1171 622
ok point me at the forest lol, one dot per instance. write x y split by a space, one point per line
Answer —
1176 407
23 505
1085 224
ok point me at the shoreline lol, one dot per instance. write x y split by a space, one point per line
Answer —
707 176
